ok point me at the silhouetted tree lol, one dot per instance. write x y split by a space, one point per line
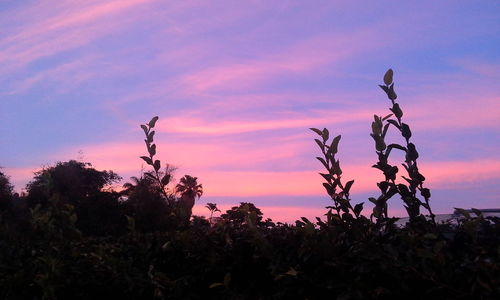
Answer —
212 207
130 187
148 205
77 184
243 213
189 189
6 195
71 180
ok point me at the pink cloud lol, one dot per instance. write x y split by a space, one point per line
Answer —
67 76
486 69
68 27
312 54
19 177
445 111
200 126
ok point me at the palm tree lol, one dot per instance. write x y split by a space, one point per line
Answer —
212 207
130 187
189 189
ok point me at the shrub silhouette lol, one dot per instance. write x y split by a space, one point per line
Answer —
245 213
6 192
71 180
339 192
78 185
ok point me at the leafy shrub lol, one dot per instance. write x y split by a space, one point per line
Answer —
388 187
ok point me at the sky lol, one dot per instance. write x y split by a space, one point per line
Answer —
237 84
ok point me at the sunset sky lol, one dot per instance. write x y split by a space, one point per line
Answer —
237 84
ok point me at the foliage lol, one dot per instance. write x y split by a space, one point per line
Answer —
414 180
341 200
147 205
189 189
388 187
160 179
68 238
52 260
212 207
6 193
245 213
72 180
188 186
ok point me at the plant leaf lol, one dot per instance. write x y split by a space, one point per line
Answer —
329 188
358 208
150 136
397 111
327 177
392 94
412 153
348 186
157 165
317 131
394 122
166 179
384 131
147 160
388 77
335 144
320 144
152 150
386 117
145 129
386 89
405 131
426 193
323 161
153 122
325 134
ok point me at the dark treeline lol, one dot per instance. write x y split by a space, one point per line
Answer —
70 236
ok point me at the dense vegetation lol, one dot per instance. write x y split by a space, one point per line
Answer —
71 237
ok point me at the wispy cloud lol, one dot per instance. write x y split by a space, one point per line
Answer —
285 121
315 53
72 25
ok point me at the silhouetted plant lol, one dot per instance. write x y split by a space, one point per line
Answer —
72 180
161 179
338 192
415 179
388 187
212 207
6 194
148 207
245 213
189 189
